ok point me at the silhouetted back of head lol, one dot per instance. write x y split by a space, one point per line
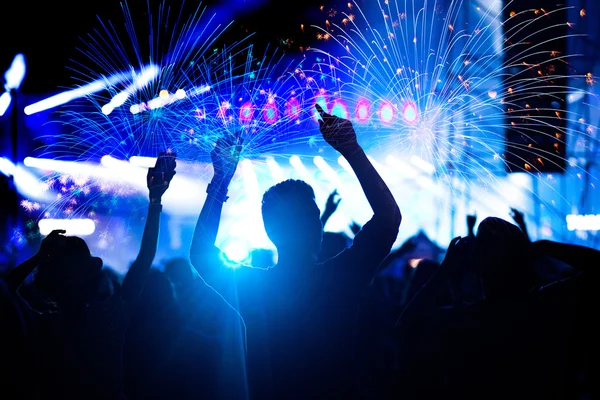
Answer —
291 217
69 269
157 296
503 258
179 271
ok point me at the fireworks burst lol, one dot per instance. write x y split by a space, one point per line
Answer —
142 82
472 100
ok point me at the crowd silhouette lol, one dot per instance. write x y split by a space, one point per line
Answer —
500 317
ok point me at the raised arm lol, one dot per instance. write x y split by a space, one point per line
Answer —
582 259
471 220
519 219
374 242
17 276
203 253
158 181
330 207
340 134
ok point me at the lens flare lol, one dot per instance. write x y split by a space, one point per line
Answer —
340 109
363 110
386 112
410 113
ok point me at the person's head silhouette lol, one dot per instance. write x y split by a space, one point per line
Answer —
292 220
502 258
70 273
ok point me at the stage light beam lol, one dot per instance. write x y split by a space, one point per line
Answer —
74 227
276 171
16 73
5 100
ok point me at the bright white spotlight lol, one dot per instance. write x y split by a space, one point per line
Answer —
302 170
90 88
107 109
236 251
422 164
345 164
579 222
144 162
28 184
250 180
74 168
328 171
401 167
4 102
74 227
275 169
295 161
135 109
15 74
141 80
6 166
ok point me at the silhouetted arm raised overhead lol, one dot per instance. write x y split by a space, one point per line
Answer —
373 243
204 256
17 276
581 258
158 181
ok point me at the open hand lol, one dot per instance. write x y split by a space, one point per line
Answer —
159 177
338 132
332 203
517 216
226 155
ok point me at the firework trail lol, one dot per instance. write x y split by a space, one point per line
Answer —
180 91
134 115
471 99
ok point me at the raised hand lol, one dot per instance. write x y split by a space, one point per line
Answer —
338 132
332 203
471 220
226 155
517 216
159 177
355 228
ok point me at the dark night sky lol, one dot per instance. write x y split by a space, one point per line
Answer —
48 32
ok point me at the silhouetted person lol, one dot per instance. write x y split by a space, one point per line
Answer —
203 359
79 351
300 314
155 326
494 348
15 337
